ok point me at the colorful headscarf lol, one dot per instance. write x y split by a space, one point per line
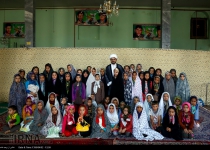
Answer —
186 116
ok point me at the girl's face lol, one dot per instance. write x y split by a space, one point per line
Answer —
132 67
126 69
22 74
28 102
157 80
36 70
122 105
141 76
139 109
125 111
177 102
168 76
171 112
52 97
79 72
107 100
65 107
158 72
61 72
17 79
97 78
54 110
134 75
67 77
81 111
125 76
89 69
89 103
173 73
154 107
78 79
32 76
54 76
186 108
182 77
136 100
41 78
146 76
115 103
116 72
93 72
102 72
165 97
149 99
193 102
99 111
111 109
151 71
69 68
138 67
47 68
71 110
39 106
63 101
85 75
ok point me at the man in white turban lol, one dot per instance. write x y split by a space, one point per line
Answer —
110 70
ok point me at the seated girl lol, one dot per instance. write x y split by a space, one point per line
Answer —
68 123
101 127
170 125
53 124
63 102
115 101
113 119
28 114
126 122
178 104
148 105
122 105
52 101
195 111
91 109
133 103
141 129
106 102
164 103
186 120
83 121
40 116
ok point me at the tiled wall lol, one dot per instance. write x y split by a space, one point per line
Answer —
194 63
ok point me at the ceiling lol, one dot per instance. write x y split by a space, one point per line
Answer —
19 4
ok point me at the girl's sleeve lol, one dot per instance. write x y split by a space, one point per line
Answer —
83 91
180 121
191 125
72 92
17 120
130 126
64 124
26 85
196 117
24 113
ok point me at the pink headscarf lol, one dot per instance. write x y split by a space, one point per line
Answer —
70 116
186 103
186 117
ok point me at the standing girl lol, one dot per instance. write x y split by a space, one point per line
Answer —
72 71
17 94
146 85
35 70
151 73
173 75
136 86
127 89
43 88
48 71
61 72
90 80
67 87
85 75
22 73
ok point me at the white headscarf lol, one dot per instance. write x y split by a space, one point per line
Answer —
90 80
59 118
113 117
96 86
48 108
161 104
137 88
141 126
146 105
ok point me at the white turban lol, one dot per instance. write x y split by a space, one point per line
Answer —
113 55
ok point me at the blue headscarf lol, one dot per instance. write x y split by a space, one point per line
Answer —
195 109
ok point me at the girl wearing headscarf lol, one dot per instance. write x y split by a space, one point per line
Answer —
151 73
53 124
22 73
103 78
146 85
115 101
27 114
148 105
141 75
113 118
186 120
48 71
177 104
32 87
173 75
158 72
133 103
195 110
35 70
43 88
170 125
183 88
61 75
136 86
40 116
127 89
69 122
72 70
90 80
168 84
67 87
164 103
17 94
85 75
141 129
101 127
52 101
139 68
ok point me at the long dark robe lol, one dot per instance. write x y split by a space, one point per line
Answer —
96 129
39 118
175 128
48 76
84 79
117 88
64 91
55 88
43 96
104 80
17 96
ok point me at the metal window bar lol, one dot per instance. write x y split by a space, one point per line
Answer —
207 85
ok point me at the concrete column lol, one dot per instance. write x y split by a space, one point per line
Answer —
166 24
29 23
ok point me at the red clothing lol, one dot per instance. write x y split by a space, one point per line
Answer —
144 95
129 125
184 125
68 130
